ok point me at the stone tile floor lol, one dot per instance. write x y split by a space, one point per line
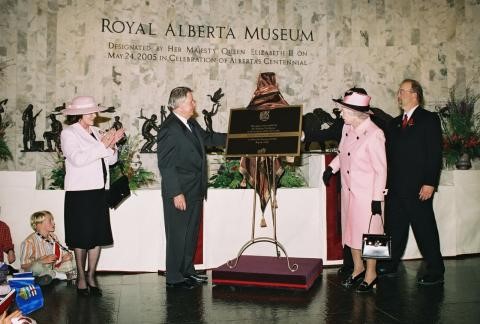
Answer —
143 298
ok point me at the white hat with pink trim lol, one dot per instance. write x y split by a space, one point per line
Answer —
83 105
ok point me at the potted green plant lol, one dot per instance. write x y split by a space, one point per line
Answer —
461 129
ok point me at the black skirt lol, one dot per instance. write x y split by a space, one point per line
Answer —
87 219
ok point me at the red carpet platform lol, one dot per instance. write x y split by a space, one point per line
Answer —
271 272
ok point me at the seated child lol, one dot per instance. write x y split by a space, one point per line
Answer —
43 255
6 247
6 244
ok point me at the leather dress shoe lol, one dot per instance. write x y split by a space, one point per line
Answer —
195 278
367 287
181 285
384 270
345 271
83 292
352 281
95 291
430 280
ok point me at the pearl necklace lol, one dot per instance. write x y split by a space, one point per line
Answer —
51 242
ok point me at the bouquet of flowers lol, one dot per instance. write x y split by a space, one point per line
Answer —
130 165
461 127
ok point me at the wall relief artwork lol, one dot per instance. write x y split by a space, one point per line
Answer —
149 126
30 144
208 114
53 136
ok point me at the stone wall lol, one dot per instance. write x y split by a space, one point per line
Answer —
130 54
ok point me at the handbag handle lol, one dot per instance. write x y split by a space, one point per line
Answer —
370 223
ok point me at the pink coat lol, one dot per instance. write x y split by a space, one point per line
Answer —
363 168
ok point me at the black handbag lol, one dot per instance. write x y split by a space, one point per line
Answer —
119 191
376 246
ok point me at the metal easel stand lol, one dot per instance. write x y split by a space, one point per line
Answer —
273 204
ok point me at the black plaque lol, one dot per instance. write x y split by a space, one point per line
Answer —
264 132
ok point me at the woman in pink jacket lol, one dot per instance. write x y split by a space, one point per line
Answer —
362 163
88 153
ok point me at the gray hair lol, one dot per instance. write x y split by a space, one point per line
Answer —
357 114
177 96
360 115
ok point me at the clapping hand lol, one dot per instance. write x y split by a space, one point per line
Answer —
111 137
108 137
119 133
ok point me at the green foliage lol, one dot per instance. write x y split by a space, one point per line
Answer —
292 177
5 153
130 165
460 126
229 176
57 174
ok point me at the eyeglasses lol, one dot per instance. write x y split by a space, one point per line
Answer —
402 91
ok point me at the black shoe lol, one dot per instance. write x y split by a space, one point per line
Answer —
43 280
95 291
366 287
181 285
195 278
345 271
83 292
352 281
385 270
430 280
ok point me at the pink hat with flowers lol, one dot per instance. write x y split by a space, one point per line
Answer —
83 105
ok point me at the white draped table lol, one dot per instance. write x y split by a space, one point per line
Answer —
139 232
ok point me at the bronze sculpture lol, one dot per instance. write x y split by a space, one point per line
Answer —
117 124
29 137
207 115
53 135
147 127
163 114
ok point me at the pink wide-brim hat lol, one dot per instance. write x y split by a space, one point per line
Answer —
83 105
356 101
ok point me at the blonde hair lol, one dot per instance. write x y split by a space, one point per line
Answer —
39 217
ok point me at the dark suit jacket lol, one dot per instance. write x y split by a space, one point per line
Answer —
181 158
414 154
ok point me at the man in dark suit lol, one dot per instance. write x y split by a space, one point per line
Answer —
414 154
183 168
